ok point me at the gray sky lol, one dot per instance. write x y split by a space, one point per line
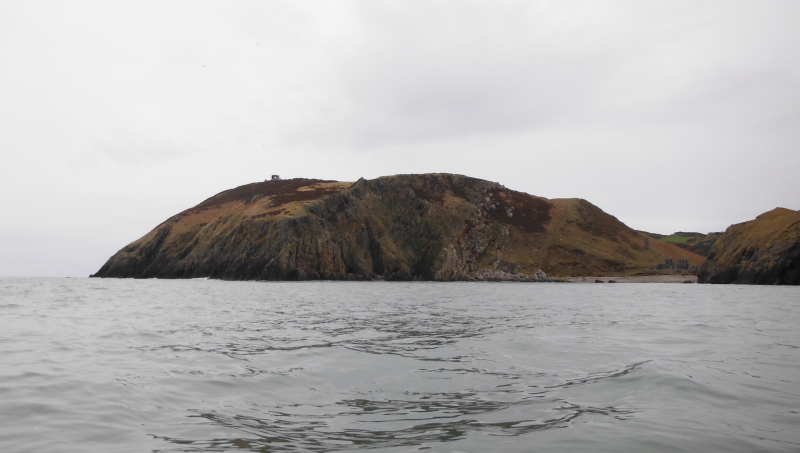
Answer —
679 115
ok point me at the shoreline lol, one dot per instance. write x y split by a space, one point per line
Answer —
635 279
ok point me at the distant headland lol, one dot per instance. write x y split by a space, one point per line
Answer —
439 227
763 251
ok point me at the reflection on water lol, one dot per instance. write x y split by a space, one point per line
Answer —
196 366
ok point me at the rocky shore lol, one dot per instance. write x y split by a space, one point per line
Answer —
492 275
636 279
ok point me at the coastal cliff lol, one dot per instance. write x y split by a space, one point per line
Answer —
430 227
764 251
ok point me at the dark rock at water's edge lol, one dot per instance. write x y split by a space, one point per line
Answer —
764 251
407 227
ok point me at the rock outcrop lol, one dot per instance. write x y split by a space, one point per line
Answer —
431 227
764 251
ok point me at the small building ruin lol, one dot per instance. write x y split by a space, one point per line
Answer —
670 264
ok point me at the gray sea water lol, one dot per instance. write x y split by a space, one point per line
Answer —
90 365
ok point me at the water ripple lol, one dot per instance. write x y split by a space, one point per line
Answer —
203 365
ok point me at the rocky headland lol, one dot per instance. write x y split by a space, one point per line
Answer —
439 227
764 251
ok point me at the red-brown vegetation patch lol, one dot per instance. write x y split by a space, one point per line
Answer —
520 209
593 220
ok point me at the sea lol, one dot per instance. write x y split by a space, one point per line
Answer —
115 365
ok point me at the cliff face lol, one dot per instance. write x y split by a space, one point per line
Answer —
764 251
433 227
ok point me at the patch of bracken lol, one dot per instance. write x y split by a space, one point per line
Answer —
593 220
282 191
519 209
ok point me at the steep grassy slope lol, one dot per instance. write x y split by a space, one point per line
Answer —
764 251
434 227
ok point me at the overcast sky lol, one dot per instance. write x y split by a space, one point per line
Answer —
670 115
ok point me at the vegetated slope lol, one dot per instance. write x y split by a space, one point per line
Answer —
432 227
695 242
764 251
